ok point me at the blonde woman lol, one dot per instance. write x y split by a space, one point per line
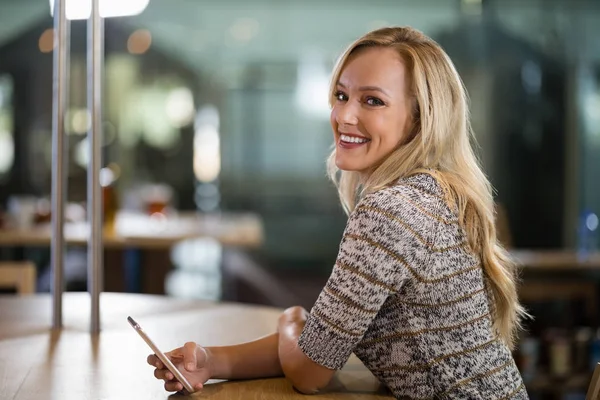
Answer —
421 290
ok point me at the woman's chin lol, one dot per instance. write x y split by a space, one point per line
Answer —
347 166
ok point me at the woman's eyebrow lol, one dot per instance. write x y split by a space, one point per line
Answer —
366 88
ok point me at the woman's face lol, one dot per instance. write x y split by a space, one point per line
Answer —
371 112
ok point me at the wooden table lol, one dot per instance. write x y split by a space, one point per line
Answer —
142 231
36 363
135 232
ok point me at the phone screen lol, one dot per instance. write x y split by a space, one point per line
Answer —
165 360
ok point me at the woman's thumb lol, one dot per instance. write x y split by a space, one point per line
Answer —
189 356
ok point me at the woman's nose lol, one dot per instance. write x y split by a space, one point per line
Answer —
346 114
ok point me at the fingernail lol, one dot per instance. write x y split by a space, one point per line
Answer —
190 366
169 376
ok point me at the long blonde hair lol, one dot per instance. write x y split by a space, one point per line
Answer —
439 144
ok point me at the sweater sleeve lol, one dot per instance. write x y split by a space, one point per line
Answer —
368 269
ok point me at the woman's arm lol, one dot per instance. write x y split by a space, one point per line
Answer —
273 355
256 359
306 376
269 356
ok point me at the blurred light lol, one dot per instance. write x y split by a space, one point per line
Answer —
207 115
312 91
75 212
184 284
180 107
116 170
44 206
207 157
207 197
7 151
46 42
79 120
208 204
107 177
244 29
592 222
82 153
139 41
158 222
198 254
82 9
207 146
207 190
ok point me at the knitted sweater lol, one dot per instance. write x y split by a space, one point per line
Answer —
407 296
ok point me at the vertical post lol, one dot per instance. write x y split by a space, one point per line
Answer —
60 85
95 50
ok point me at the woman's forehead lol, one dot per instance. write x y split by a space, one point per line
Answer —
374 66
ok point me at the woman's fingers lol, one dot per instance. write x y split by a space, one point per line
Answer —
163 374
189 356
173 386
154 361
173 354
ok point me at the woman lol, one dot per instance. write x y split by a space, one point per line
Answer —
421 290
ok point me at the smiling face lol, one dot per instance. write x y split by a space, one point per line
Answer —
371 112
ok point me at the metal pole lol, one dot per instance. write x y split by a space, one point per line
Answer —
95 49
60 87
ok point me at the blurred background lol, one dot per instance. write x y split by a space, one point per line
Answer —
216 131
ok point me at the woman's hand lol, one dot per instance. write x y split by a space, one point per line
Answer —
192 360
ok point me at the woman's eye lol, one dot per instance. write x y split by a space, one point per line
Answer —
374 101
340 96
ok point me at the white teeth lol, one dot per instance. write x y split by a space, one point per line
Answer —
353 139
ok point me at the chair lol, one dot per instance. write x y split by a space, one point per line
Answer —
594 388
18 275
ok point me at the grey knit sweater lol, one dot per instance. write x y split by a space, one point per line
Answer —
408 298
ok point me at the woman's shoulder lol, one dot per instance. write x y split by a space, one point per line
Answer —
423 183
419 197
421 190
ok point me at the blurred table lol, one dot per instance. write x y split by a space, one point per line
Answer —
36 363
558 259
134 232
142 231
560 276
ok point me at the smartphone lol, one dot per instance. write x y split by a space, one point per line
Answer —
165 360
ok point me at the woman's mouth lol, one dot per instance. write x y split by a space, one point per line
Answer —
352 142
